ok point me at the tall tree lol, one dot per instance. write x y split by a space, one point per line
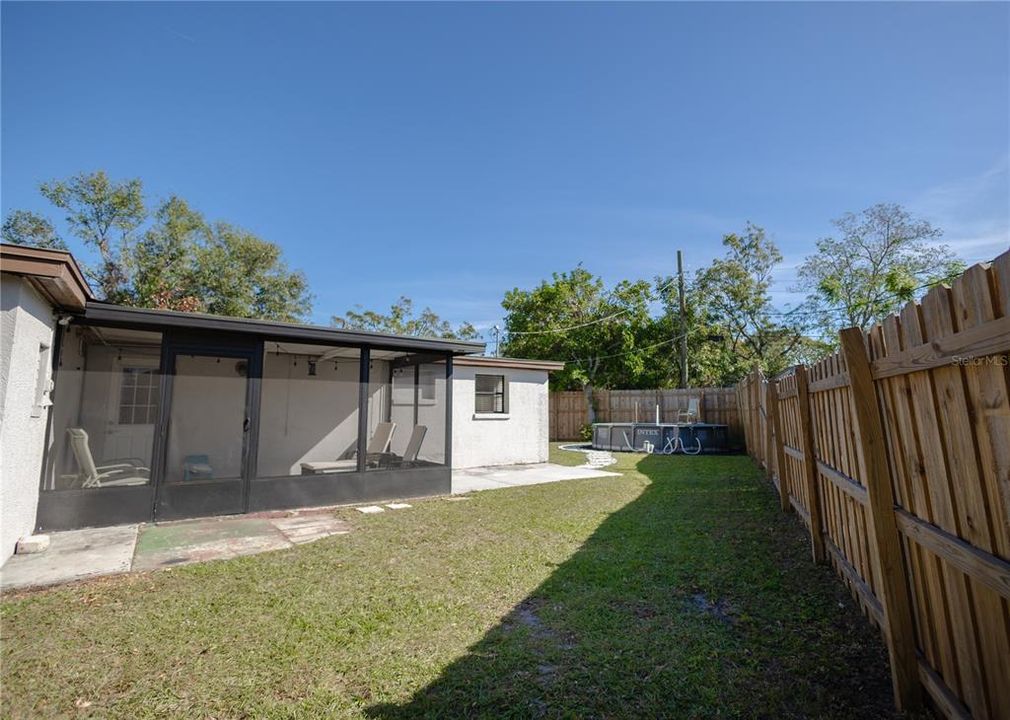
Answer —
104 214
182 262
711 357
602 335
243 275
401 320
179 262
163 263
881 256
23 227
734 291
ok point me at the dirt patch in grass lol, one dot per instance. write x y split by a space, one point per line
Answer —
719 608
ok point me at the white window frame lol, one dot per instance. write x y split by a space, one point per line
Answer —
155 384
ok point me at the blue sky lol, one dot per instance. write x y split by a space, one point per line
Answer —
451 152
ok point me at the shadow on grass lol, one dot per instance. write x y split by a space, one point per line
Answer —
695 600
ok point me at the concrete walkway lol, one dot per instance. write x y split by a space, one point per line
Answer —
73 555
80 554
594 458
490 478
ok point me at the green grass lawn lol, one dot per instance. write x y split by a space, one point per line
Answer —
675 590
565 457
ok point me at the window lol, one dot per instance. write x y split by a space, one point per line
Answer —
42 384
138 396
490 394
427 374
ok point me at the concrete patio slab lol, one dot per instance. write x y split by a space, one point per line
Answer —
490 478
193 541
73 555
78 554
303 529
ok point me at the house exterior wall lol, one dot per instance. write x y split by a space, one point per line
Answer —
26 328
305 419
520 436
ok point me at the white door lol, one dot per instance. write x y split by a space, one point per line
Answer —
134 409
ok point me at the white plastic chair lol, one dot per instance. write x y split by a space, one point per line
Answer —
691 414
115 473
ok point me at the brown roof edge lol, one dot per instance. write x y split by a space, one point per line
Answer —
518 363
54 273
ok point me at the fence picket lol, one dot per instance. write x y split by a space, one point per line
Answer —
896 451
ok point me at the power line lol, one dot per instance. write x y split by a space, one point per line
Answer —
630 352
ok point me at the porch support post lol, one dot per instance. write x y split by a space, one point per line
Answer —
448 411
364 363
417 392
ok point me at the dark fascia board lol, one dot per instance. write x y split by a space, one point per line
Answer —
99 312
54 273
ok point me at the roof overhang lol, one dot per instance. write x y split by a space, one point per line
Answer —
99 312
54 273
516 363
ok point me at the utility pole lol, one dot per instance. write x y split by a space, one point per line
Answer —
683 320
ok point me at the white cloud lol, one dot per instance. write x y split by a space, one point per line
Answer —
974 211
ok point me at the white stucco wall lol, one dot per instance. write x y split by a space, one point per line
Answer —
518 437
26 324
305 418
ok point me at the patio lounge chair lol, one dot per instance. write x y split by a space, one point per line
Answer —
378 445
112 473
691 414
411 452
414 444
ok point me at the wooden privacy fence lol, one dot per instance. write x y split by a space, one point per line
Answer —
895 454
569 412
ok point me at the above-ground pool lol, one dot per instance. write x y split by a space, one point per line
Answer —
664 438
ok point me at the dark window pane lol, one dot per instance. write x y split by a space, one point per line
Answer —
489 383
489 394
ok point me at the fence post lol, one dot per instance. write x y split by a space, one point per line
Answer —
810 464
748 419
762 426
894 594
766 423
775 446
